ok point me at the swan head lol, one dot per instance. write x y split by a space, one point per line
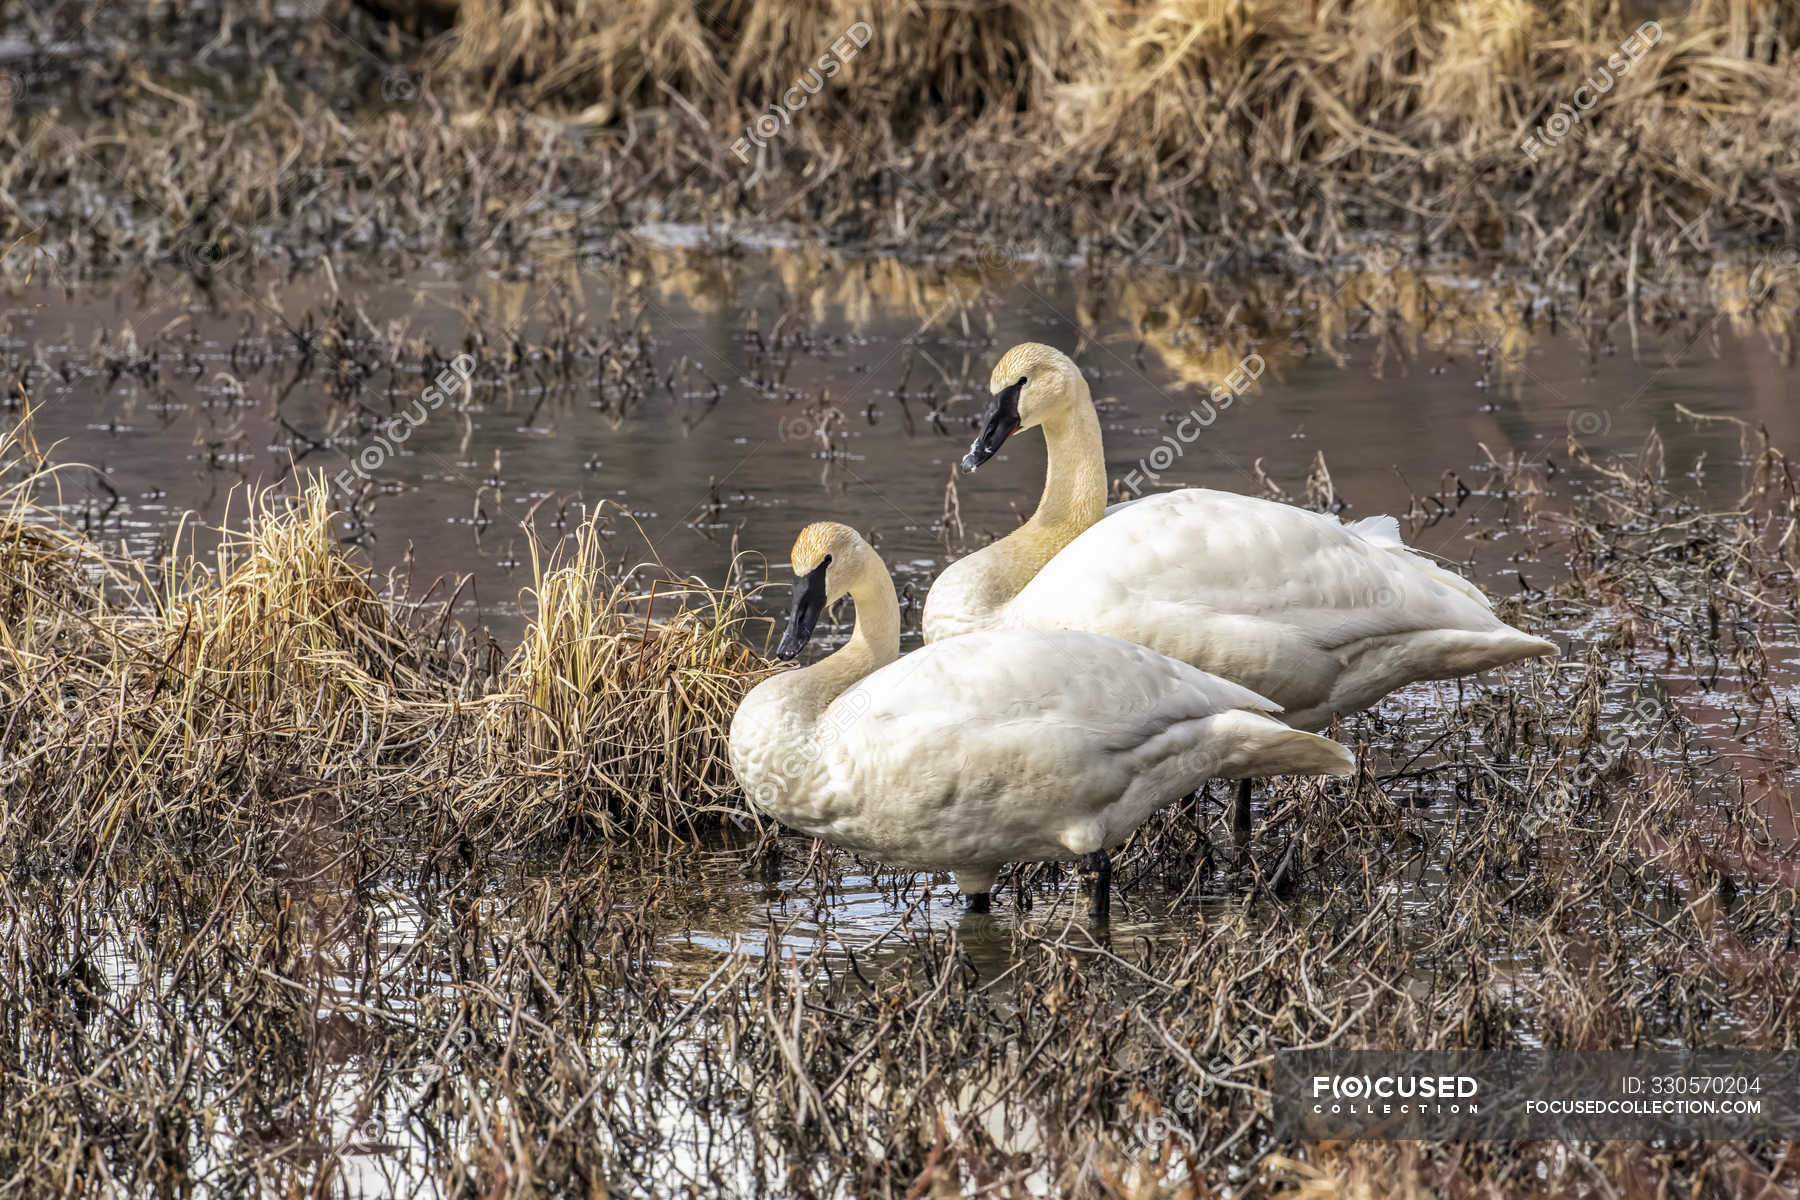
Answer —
1032 383
828 559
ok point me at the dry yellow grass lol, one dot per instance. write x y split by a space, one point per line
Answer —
285 620
1124 79
624 698
227 701
1186 123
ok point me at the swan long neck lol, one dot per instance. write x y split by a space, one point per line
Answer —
873 644
1075 482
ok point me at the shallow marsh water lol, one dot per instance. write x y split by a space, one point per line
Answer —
782 384
765 389
721 399
725 400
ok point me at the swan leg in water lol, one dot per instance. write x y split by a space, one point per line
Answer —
1240 812
980 902
1096 872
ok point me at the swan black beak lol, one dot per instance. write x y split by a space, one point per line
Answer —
809 602
1000 422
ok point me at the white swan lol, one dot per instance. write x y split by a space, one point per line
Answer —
1321 617
1014 745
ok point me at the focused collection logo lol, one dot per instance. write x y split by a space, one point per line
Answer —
1395 1095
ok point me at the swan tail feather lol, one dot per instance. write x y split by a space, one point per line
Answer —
1456 652
1261 746
1511 645
1382 531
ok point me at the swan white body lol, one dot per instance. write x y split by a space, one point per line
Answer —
1322 617
1017 745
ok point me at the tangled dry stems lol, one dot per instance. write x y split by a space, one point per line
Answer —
1203 120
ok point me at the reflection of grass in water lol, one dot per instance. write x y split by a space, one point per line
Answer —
1201 328
303 980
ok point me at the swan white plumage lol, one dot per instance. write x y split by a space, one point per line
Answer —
1323 618
1012 745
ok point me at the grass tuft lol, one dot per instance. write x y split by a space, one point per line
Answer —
630 709
287 688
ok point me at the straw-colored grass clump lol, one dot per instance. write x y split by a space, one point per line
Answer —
1570 135
289 682
288 627
620 696
1181 129
1123 82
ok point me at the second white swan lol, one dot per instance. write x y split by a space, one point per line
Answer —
1321 617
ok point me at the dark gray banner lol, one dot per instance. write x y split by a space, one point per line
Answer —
1511 1095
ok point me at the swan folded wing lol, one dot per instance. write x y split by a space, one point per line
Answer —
1384 532
1053 714
1027 673
1164 569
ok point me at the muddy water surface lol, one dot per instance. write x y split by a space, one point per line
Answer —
771 388
719 401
